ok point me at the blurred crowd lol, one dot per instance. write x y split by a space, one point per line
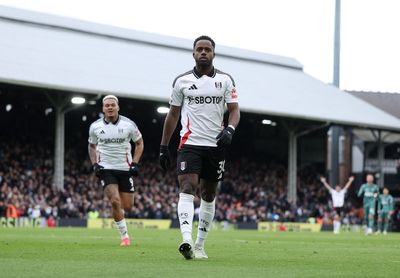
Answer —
252 191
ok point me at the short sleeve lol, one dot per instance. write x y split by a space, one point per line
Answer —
136 134
231 95
177 96
92 136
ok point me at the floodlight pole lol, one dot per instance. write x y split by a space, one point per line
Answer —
58 178
336 57
60 103
292 167
335 130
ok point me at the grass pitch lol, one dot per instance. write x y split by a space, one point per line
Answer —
75 252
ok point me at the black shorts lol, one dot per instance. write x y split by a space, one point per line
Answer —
122 178
339 210
207 162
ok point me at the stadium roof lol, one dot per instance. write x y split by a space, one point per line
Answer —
388 102
61 53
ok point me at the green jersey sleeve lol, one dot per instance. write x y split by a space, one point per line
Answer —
361 191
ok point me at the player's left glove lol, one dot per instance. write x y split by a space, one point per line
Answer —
134 169
225 136
98 170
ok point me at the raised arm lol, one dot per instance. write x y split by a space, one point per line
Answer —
323 180
351 179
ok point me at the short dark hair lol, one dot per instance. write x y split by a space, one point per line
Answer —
206 38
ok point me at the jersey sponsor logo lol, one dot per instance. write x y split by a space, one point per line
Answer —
234 93
193 87
218 85
112 140
203 99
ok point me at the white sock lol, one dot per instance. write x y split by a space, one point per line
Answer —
185 215
206 216
122 228
336 226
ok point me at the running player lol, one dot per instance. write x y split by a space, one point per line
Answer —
199 97
370 191
385 210
338 201
110 153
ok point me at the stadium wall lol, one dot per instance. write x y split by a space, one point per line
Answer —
156 224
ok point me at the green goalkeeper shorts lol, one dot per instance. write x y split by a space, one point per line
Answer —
369 209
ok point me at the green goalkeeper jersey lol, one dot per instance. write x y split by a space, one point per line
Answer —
385 203
370 192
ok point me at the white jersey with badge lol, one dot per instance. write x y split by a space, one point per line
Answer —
202 100
338 198
113 150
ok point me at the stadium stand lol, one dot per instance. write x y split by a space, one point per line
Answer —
252 190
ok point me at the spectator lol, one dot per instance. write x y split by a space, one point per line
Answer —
251 191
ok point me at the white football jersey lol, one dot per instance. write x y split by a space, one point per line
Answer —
202 100
113 150
338 198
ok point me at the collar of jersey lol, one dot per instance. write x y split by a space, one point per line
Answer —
114 123
198 74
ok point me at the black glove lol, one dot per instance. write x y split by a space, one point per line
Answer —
164 157
98 169
134 169
225 136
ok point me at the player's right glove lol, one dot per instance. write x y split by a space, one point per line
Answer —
164 158
225 136
97 169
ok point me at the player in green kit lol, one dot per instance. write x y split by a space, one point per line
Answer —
385 210
370 191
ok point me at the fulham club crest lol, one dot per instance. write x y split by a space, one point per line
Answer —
183 165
